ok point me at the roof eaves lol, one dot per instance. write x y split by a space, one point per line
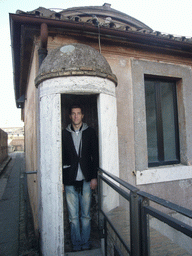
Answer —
141 36
90 25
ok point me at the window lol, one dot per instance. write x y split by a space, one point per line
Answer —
162 122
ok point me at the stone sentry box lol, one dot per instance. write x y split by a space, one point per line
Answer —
74 71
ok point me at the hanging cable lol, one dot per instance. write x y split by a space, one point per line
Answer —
99 38
95 22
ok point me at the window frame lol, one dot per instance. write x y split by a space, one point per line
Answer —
182 74
159 122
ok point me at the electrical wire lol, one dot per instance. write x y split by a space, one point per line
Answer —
99 39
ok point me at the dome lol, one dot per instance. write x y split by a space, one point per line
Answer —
104 15
74 60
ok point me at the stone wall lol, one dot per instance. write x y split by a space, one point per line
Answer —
3 146
130 66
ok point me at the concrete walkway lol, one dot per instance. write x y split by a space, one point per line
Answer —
9 205
160 245
14 216
94 252
16 225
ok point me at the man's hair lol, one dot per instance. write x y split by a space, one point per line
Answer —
77 105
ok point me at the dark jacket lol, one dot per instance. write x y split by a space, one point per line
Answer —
89 160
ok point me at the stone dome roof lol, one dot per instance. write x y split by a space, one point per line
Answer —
74 60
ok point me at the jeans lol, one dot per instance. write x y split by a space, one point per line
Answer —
79 238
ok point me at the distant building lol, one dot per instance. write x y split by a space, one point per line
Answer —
136 87
15 138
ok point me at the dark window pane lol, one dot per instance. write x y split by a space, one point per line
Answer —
151 122
162 125
168 121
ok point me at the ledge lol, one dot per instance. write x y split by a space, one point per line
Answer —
163 174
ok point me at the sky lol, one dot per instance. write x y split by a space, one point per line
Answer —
167 16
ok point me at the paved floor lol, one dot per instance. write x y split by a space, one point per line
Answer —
9 205
16 226
94 252
13 236
160 245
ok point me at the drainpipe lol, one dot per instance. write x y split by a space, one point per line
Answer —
43 40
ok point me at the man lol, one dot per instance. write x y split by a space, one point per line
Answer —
80 163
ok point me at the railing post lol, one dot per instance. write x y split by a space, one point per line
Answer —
105 228
145 238
135 224
102 225
100 217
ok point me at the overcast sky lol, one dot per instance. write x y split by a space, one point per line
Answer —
168 16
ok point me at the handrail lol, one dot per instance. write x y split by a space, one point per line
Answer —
172 222
120 181
116 188
139 212
158 200
167 204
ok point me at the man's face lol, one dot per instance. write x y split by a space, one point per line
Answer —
76 116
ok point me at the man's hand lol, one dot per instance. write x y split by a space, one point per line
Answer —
93 184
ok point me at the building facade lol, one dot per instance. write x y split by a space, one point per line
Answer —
135 84
15 138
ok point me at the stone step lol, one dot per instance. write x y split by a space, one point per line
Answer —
94 252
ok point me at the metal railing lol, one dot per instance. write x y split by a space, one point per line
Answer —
140 213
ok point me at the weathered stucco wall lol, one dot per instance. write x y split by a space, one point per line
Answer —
130 68
121 66
129 65
121 60
30 119
3 145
